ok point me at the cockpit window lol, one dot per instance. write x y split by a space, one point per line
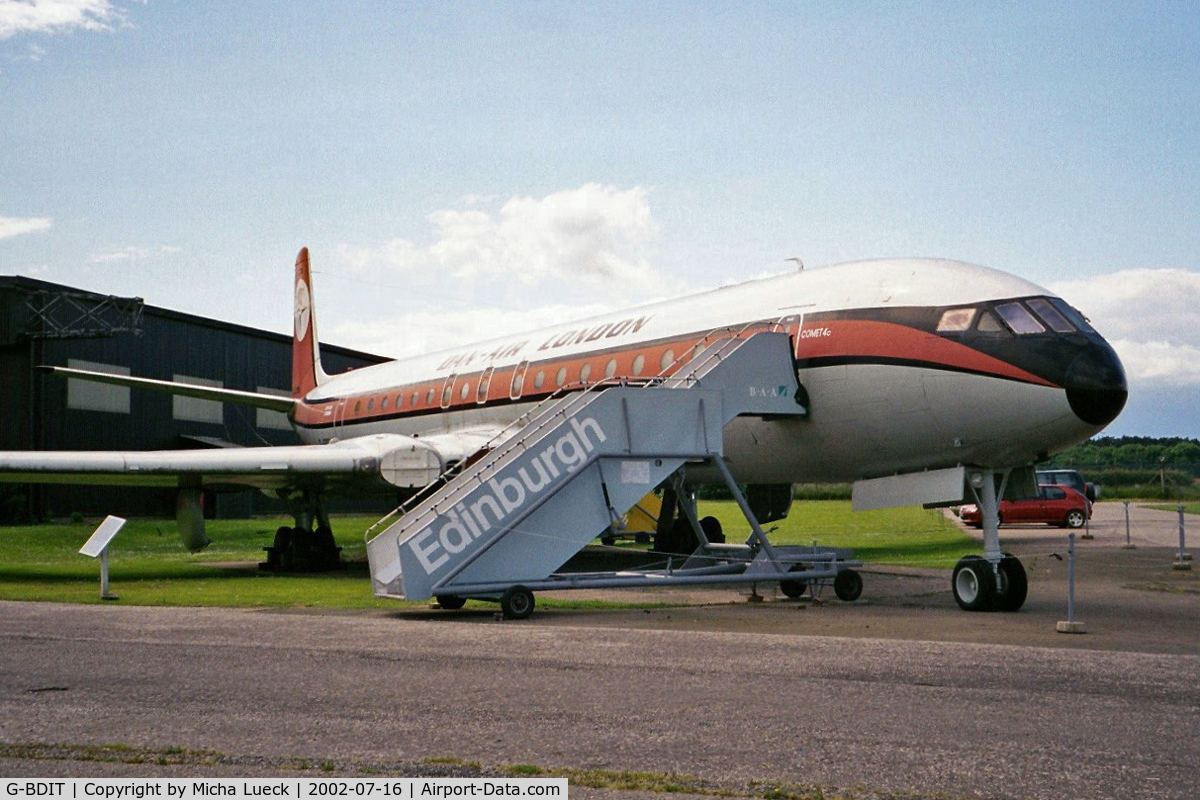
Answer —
956 319
989 324
1050 315
1019 318
1071 314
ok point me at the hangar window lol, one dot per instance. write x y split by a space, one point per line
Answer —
956 319
585 372
274 420
92 396
638 362
668 358
610 368
1019 318
1057 322
560 377
193 409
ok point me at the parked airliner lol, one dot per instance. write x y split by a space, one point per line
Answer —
909 369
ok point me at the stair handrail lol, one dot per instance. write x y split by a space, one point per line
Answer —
726 340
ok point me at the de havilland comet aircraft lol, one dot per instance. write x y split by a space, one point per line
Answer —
923 382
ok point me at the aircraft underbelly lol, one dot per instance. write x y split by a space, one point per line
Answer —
875 420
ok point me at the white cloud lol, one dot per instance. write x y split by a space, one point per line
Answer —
57 16
1150 316
15 226
596 234
132 253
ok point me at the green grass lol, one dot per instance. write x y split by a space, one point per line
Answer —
148 566
906 536
1188 508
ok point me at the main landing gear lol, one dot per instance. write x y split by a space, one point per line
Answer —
305 547
995 581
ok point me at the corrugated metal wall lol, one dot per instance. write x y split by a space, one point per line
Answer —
35 413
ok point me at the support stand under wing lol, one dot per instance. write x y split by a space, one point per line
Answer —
504 525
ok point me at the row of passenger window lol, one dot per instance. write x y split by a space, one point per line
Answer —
1036 315
539 382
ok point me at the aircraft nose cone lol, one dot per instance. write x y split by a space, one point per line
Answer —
1095 384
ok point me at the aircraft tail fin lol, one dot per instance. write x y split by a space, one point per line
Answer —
307 373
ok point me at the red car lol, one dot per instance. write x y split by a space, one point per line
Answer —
1054 505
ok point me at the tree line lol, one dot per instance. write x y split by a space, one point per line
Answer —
1137 466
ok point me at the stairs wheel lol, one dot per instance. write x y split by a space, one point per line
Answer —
848 586
516 602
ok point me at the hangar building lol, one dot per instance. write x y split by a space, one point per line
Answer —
48 324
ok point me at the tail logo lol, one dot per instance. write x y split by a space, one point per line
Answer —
303 309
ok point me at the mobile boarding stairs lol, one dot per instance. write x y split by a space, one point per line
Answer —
503 526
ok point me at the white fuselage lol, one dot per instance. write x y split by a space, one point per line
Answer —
872 411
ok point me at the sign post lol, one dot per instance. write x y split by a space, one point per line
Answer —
97 545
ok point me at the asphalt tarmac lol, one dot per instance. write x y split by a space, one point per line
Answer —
897 695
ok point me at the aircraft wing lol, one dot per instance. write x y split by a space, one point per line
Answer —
382 461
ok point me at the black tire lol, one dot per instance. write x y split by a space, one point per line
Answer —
516 602
1014 584
848 586
793 589
451 602
1075 518
712 530
973 584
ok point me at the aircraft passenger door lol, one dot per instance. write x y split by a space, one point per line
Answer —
485 382
518 381
339 418
448 390
791 325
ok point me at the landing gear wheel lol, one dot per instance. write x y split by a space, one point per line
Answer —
712 530
516 602
1075 518
974 584
451 602
1014 584
848 586
794 588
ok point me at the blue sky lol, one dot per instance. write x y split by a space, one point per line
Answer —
465 169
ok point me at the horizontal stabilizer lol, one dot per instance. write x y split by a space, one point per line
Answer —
255 399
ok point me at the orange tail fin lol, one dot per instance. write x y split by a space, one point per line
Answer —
306 354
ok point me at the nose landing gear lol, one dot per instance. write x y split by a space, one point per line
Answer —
995 581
